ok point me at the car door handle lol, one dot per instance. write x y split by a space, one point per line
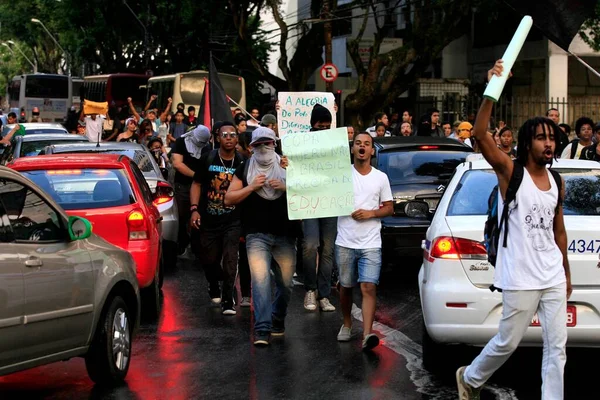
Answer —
33 262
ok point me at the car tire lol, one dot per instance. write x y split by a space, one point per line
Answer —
151 299
169 254
109 355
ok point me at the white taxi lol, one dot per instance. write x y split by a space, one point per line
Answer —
455 278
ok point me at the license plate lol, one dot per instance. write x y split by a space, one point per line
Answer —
571 317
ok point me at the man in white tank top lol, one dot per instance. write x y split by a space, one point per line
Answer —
533 269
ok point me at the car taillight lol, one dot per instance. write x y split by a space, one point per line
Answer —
429 147
137 225
164 193
457 248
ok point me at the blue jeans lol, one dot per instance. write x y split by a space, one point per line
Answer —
319 236
261 248
358 265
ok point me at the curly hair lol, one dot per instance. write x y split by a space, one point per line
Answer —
527 134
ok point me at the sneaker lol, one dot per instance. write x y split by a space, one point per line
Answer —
246 302
326 305
370 342
228 309
465 391
214 292
345 334
278 328
261 338
310 300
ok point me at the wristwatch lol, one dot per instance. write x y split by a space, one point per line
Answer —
194 207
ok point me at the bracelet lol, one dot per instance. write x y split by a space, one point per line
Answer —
194 207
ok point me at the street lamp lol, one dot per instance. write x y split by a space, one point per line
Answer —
23 54
8 47
37 21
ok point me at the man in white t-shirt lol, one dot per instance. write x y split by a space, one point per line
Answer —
94 125
358 242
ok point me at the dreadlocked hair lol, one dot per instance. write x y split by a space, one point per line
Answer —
527 133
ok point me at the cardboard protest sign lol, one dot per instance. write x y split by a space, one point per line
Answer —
295 108
319 175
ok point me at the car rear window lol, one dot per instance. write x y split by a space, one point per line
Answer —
88 188
42 131
582 192
420 166
30 148
140 157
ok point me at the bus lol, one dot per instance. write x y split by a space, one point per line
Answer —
51 93
188 87
116 88
76 87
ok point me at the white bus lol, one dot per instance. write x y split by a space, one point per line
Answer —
51 93
76 85
188 87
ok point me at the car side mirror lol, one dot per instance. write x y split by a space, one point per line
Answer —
417 209
79 228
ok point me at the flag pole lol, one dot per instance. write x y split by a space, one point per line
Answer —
585 64
242 108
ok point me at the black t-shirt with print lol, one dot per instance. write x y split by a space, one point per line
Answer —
590 153
215 180
265 216
191 162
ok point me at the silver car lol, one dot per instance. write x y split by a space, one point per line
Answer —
156 178
64 292
32 145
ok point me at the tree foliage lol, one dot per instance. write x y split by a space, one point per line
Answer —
105 36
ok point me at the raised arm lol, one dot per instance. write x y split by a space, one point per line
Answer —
152 99
502 164
163 116
133 111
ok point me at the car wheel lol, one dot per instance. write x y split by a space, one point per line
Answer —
151 298
169 254
107 360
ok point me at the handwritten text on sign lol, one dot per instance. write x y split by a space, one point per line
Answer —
295 109
319 175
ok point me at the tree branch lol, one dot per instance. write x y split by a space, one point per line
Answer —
283 58
353 47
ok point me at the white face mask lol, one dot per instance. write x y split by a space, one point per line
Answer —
264 155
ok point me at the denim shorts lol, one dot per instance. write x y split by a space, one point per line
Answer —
358 265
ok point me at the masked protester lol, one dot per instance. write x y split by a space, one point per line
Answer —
259 185
186 155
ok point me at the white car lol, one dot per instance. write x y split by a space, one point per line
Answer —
455 278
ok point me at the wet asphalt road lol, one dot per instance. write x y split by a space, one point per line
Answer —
193 352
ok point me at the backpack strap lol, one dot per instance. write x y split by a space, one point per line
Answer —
511 194
558 181
574 146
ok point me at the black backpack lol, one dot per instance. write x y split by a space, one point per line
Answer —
574 147
492 229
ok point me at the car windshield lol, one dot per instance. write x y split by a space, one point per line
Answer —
90 188
582 192
420 166
31 148
140 157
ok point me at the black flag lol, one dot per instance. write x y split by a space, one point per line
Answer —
559 20
219 106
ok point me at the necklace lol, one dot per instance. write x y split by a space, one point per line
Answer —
223 163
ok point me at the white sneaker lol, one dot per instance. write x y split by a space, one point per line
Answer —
245 302
326 305
310 300
345 334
